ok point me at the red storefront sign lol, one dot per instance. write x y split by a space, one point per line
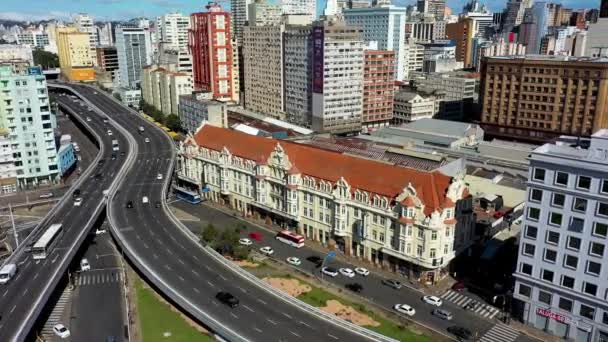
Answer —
552 315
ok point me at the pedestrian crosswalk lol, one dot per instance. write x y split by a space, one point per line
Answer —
483 310
94 278
56 314
500 333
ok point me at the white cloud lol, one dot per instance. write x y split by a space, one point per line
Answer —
34 16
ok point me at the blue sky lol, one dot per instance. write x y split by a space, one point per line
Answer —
122 9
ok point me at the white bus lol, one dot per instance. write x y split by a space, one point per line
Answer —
114 145
290 238
43 247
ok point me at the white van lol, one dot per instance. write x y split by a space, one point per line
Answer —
7 272
141 129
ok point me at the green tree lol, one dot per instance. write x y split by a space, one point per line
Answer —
173 123
209 233
241 252
45 59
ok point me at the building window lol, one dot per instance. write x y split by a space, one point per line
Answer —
552 237
561 178
550 255
555 219
525 290
536 195
600 229
544 297
433 235
381 237
579 204
533 214
587 311
531 232
526 269
567 282
547 275
573 243
529 249
596 249
433 253
593 268
420 233
565 304
584 182
604 187
602 209
558 200
539 174
570 261
605 321
576 225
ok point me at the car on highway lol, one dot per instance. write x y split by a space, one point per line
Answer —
76 193
405 309
159 176
147 140
78 202
88 119
267 250
109 132
105 120
459 286
255 236
113 155
61 331
362 271
157 204
227 298
84 265
129 204
347 272
330 271
294 261
122 153
443 314
461 332
433 300
355 287
245 242
141 129
101 162
392 283
100 231
145 199
99 176
47 195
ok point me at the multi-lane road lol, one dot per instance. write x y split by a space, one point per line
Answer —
177 264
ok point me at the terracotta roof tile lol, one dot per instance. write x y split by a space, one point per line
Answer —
368 175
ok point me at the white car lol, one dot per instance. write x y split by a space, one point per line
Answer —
88 119
61 331
245 242
362 271
78 202
330 271
84 265
147 140
294 261
433 300
47 195
267 250
347 272
109 132
159 176
145 199
100 231
405 309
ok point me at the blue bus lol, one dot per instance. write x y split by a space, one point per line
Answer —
187 195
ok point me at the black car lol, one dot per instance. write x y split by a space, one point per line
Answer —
113 156
315 260
392 283
122 154
227 298
461 332
100 162
157 204
355 287
130 204
99 176
76 193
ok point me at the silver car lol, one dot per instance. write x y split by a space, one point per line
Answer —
443 314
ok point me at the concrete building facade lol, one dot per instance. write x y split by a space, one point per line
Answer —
378 87
172 31
196 108
410 106
297 68
134 49
74 54
162 88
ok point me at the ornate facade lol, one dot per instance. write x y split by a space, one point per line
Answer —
408 220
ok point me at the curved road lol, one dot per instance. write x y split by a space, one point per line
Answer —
179 262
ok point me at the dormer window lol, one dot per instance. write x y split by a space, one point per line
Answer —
410 212
448 214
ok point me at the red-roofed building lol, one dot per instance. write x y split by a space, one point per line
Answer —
403 218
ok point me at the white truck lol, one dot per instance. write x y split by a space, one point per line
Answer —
7 272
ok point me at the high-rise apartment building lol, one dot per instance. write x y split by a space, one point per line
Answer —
240 14
8 171
410 106
426 30
500 47
84 23
107 59
436 8
539 97
262 13
562 264
162 87
462 33
74 50
36 39
172 31
210 45
300 7
263 69
106 36
297 68
180 58
337 84
134 49
25 112
378 87
386 26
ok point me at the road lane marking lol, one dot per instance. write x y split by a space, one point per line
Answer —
169 251
294 334
168 267
271 321
36 275
248 308
5 292
196 290
181 278
332 336
25 292
208 268
198 275
13 309
214 303
223 278
181 261
210 284
233 315
261 301
242 289
257 329
155 256
145 246
304 323
286 315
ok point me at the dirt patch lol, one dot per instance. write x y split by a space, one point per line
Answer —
348 313
245 263
290 286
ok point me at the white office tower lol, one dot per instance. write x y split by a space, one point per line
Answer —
306 7
134 50
172 31
385 25
239 9
105 35
84 23
331 8
597 39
